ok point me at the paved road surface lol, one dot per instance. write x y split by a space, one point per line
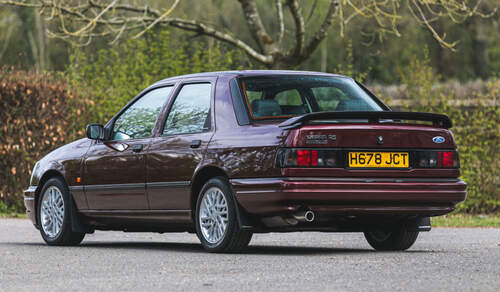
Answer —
444 259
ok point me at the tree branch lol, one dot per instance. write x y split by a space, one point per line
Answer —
259 34
165 14
300 28
279 10
204 29
323 30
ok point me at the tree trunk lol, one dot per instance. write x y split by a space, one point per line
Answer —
479 48
324 54
40 27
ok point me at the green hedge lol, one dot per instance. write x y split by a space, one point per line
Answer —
476 130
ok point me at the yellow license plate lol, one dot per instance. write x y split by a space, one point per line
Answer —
379 159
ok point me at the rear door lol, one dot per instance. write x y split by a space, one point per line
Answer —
185 133
115 170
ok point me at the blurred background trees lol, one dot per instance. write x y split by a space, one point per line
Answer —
51 87
378 47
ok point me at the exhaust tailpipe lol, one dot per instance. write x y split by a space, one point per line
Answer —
304 216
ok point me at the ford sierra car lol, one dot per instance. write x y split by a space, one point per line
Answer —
229 154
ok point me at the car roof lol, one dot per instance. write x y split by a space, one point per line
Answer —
248 73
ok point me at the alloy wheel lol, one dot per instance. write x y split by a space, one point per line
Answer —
52 211
213 215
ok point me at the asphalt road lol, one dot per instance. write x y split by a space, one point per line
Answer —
444 259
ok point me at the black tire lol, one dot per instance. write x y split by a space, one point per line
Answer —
65 236
234 239
400 239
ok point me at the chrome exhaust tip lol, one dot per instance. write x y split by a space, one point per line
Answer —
304 216
309 216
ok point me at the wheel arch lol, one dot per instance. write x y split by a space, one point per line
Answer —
202 176
199 179
51 173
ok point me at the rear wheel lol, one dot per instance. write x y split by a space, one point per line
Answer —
216 219
400 239
54 215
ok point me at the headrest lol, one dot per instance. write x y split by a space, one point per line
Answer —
266 107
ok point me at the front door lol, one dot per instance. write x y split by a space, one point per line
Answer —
114 175
174 155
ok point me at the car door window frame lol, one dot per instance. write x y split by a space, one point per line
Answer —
110 125
175 93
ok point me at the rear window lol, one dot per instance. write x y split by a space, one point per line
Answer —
273 97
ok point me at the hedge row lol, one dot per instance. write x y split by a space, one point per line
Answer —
39 112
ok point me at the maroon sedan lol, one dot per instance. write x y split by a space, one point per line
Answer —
229 154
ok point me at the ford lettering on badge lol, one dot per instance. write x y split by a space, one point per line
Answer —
438 139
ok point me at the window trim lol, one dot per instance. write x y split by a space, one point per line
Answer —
111 123
180 85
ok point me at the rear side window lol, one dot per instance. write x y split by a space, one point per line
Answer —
190 112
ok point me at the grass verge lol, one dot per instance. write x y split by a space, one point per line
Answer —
13 215
466 220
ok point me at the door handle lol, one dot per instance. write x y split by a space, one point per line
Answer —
137 148
195 144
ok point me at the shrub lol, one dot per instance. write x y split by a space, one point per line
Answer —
476 130
39 113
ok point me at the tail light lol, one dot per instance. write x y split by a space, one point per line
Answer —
334 158
292 157
437 159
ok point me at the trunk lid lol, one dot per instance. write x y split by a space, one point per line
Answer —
354 135
372 136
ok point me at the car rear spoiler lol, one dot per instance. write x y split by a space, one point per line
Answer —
437 120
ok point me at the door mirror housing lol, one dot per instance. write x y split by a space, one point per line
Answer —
95 131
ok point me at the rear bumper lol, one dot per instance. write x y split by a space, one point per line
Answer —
29 203
349 196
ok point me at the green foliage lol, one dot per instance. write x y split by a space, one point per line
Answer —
39 113
348 66
116 74
476 130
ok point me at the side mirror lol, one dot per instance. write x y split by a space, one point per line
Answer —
95 132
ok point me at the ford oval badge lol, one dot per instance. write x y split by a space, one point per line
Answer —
438 139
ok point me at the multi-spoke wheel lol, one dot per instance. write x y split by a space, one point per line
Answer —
53 215
213 215
52 212
216 222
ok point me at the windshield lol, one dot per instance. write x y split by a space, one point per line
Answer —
273 97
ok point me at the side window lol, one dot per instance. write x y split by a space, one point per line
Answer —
139 120
190 112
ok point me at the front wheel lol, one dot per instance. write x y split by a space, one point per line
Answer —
54 215
400 239
216 220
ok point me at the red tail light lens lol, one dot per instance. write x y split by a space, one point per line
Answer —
304 157
308 158
445 158
437 159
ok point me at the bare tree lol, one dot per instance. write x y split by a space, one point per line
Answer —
84 20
